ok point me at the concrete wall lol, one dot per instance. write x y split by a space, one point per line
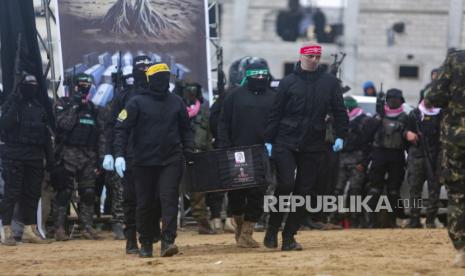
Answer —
249 29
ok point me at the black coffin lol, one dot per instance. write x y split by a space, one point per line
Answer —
228 169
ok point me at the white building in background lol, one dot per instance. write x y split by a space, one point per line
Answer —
430 28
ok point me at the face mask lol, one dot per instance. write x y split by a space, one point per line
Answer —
257 83
84 91
190 95
160 83
139 78
28 90
394 103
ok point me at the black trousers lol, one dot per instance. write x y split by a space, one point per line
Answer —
395 170
129 200
306 182
23 182
247 202
157 192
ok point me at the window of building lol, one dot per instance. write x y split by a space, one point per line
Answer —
409 72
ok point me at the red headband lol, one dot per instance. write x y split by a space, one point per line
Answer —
311 50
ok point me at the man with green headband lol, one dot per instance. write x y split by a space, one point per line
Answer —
242 123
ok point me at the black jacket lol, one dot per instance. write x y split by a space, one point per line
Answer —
429 127
160 126
297 118
243 117
113 110
25 130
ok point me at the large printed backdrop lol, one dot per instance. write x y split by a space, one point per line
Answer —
172 31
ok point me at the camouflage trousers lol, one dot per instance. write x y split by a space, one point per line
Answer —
417 175
81 163
199 206
349 173
453 177
116 184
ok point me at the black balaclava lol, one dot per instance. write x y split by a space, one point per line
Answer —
394 98
158 76
191 93
29 87
257 77
139 67
83 84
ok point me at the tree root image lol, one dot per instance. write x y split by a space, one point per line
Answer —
137 16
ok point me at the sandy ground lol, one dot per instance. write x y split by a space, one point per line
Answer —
345 252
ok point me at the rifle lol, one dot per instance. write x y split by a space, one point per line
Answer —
118 76
380 101
335 69
19 75
424 146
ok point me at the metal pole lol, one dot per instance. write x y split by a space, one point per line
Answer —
50 48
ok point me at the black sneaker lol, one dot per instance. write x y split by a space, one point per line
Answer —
146 250
168 249
131 247
430 223
290 244
415 223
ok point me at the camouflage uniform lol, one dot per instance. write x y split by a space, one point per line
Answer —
427 126
348 172
79 134
202 142
116 183
111 178
417 175
448 93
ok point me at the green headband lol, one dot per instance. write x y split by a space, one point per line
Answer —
253 72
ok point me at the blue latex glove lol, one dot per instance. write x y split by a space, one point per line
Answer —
108 163
338 145
120 166
269 147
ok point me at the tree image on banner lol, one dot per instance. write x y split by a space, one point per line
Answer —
139 17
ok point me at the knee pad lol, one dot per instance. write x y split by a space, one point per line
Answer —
87 195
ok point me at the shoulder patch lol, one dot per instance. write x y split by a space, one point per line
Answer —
122 115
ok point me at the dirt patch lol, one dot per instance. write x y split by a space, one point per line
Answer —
346 252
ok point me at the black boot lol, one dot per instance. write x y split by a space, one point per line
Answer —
290 244
415 222
146 250
271 237
131 242
86 216
118 231
168 248
60 233
430 222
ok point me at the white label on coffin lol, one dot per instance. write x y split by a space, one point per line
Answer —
240 157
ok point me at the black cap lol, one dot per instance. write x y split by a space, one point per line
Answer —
395 93
141 61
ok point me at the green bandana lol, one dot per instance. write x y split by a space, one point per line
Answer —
350 103
253 72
